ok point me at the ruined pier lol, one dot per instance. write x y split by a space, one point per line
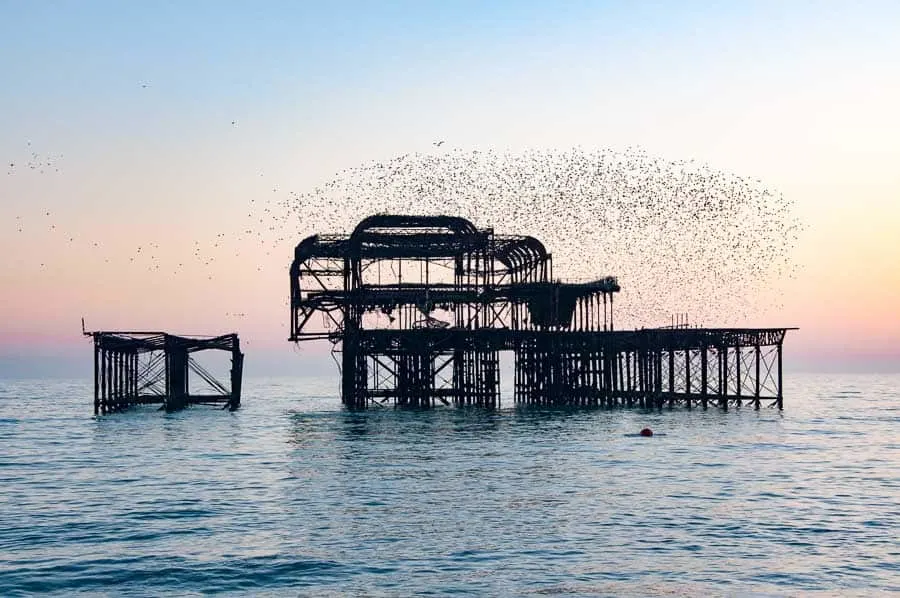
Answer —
156 368
422 308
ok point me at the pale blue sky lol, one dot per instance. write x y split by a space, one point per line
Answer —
75 68
800 94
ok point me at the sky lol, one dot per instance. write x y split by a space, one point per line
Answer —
154 125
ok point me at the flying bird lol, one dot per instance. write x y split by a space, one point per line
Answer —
680 235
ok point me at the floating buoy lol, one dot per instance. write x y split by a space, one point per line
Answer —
646 432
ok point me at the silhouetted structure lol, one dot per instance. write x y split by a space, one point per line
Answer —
144 368
420 308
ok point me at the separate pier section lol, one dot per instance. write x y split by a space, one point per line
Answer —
421 309
655 367
147 368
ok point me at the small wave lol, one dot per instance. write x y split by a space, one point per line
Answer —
166 575
164 513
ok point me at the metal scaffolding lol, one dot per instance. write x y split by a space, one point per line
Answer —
146 368
421 307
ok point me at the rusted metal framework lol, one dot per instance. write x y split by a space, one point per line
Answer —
146 368
421 307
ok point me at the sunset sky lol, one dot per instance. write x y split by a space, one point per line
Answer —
153 125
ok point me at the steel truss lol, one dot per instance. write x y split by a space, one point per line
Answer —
146 368
420 308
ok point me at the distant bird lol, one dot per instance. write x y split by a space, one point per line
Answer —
680 235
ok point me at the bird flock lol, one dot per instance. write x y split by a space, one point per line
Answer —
40 163
148 259
681 236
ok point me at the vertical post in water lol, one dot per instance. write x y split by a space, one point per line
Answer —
756 391
350 340
780 395
119 400
671 376
129 376
622 381
723 375
687 377
617 377
109 381
703 375
96 375
629 384
137 367
641 373
117 378
237 372
102 380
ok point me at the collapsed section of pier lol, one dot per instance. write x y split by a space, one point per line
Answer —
420 309
156 368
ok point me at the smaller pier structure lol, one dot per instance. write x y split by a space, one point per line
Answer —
154 368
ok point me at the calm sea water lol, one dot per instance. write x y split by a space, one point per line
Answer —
293 496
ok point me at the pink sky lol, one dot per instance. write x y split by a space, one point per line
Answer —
804 100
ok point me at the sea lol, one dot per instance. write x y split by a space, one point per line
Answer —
294 496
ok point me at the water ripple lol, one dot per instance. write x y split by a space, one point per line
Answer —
292 495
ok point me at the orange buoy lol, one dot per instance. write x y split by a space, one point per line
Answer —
646 432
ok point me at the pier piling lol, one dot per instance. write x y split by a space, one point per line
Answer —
146 368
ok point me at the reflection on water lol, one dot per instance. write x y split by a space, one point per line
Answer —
292 494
